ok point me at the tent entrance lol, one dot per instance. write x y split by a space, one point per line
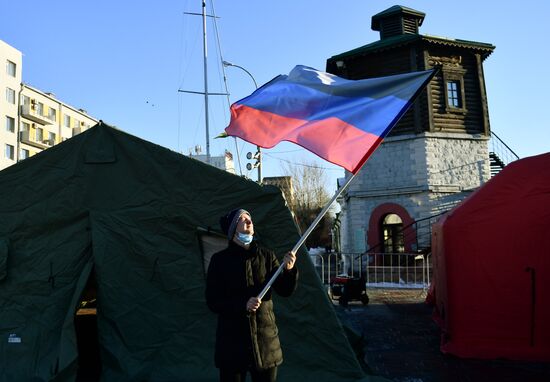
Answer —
89 363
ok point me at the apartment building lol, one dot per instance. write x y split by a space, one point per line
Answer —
223 162
31 120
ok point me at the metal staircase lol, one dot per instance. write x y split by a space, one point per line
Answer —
496 163
500 154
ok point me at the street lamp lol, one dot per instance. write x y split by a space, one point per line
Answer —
226 64
258 155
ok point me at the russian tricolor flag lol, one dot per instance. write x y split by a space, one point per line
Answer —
342 121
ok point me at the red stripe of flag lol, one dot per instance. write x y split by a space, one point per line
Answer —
330 138
342 121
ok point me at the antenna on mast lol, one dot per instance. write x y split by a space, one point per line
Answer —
205 73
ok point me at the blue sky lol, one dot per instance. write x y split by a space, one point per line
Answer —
124 61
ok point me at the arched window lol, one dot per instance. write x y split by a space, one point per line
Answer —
392 231
375 235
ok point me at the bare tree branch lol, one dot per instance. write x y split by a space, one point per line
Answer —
309 197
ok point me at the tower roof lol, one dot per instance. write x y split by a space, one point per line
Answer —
393 42
398 26
396 10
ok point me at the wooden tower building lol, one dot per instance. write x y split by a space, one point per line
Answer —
436 155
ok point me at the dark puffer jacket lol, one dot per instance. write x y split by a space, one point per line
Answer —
234 275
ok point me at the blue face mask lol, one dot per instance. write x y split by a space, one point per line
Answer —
244 238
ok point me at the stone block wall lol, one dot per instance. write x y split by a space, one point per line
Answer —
425 174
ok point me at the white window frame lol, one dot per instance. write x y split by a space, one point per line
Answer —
9 151
10 95
454 75
52 114
10 127
11 68
39 137
454 96
24 154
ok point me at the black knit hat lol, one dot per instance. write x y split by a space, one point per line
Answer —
228 223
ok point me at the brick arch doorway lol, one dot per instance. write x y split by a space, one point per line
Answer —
375 234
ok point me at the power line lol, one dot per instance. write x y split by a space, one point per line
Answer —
284 152
302 164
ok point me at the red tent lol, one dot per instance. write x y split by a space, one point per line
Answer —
491 282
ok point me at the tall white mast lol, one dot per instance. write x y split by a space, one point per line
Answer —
205 54
205 68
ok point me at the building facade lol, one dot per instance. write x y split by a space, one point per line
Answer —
223 162
284 183
438 152
32 120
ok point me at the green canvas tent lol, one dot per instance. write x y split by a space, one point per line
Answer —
134 213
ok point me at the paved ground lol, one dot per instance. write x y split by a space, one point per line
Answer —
402 344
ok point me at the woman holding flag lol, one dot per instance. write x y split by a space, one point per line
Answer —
247 336
340 120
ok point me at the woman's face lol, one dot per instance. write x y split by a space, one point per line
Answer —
245 225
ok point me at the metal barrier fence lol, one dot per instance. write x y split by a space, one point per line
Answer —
380 270
398 270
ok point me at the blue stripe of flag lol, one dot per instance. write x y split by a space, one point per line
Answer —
369 105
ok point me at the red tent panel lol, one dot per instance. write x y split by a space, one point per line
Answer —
492 267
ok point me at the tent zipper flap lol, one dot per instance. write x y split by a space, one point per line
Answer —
4 249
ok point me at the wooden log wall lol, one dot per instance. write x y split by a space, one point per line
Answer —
448 119
389 63
431 112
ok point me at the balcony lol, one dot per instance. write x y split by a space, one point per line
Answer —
29 139
29 112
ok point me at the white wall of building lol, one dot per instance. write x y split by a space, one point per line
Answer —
423 173
223 162
39 120
8 109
